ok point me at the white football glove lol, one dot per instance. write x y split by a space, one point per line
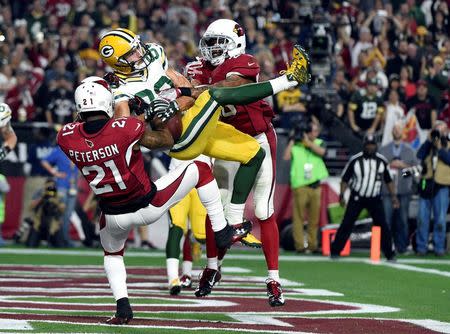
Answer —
193 68
170 94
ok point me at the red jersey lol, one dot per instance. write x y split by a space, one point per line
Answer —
253 118
114 171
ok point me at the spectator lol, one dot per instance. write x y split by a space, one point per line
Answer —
289 101
66 174
364 43
377 73
399 156
393 115
61 107
394 85
433 190
306 152
437 80
366 108
400 59
281 50
364 174
406 85
439 29
424 108
20 97
7 81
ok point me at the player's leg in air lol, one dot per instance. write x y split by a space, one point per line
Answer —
171 189
203 133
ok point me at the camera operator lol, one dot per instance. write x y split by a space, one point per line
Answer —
306 153
47 219
433 189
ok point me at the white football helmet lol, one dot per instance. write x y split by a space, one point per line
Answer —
222 39
94 94
5 114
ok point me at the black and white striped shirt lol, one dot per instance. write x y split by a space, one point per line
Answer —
365 175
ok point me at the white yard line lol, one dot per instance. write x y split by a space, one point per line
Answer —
10 324
250 256
401 264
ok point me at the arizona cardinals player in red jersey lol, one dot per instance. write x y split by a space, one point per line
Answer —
224 63
106 151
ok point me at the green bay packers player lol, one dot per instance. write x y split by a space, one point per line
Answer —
188 214
143 71
7 133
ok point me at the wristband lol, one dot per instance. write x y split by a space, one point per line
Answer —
185 91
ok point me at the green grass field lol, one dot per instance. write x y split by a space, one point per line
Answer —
411 289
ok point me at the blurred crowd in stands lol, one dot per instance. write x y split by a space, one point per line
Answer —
47 47
375 63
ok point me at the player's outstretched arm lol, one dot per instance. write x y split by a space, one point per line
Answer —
156 139
184 102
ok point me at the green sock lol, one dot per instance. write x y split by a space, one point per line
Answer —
241 95
173 242
245 178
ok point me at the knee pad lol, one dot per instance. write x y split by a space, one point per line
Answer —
262 212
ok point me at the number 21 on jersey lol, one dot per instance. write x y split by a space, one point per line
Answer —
95 184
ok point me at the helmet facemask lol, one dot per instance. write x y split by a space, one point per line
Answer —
136 59
214 48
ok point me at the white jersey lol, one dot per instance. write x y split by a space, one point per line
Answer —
146 83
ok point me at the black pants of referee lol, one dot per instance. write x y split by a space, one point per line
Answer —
354 207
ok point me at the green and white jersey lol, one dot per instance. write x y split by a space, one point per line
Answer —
148 82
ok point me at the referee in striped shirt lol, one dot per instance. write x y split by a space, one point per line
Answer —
364 174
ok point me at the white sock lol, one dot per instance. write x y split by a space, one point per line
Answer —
274 274
281 83
212 263
172 269
210 196
235 213
187 268
116 274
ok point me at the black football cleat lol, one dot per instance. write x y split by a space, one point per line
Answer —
241 230
208 278
231 234
124 313
275 293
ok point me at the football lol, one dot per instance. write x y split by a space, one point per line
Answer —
175 126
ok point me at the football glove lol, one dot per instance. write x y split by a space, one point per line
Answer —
112 79
193 68
138 105
4 150
170 94
170 112
161 109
